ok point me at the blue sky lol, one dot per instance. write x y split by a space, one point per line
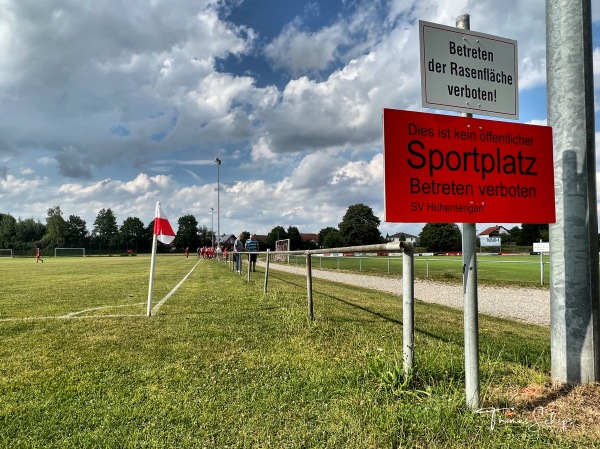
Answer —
119 104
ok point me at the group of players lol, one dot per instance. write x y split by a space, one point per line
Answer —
207 252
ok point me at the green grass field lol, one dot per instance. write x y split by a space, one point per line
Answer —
223 365
514 270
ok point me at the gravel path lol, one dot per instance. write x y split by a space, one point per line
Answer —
530 305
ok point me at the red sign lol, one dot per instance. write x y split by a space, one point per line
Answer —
448 169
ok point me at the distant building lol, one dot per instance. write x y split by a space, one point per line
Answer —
405 237
226 240
494 231
313 239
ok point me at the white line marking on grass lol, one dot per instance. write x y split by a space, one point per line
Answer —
72 315
162 301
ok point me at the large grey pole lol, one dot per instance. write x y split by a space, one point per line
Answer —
574 237
471 318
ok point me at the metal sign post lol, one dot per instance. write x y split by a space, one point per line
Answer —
471 317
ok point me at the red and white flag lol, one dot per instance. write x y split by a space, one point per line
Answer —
162 228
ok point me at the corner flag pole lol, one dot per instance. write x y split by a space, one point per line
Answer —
165 234
151 283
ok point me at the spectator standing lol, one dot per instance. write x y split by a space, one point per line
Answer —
252 247
238 249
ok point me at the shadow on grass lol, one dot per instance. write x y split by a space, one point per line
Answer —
552 395
448 332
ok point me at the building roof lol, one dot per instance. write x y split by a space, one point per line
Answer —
309 237
405 234
494 230
225 238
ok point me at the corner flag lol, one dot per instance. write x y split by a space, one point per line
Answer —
162 227
163 232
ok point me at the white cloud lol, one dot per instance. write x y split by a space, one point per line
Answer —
301 52
261 150
12 187
314 171
128 103
361 173
347 106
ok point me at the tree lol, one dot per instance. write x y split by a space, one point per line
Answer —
29 231
205 236
532 233
148 238
359 226
56 228
333 239
8 229
187 233
132 232
296 242
514 235
330 238
105 227
441 237
76 231
277 233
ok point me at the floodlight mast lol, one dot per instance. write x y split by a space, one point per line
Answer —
218 161
212 228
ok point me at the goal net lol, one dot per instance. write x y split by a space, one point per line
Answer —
6 252
282 245
69 252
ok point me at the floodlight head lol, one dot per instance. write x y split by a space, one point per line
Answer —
218 161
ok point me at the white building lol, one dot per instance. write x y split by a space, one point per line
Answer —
405 237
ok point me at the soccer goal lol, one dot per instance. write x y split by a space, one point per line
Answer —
6 252
282 245
69 252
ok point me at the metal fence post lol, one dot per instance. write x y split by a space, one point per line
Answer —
249 267
408 311
309 287
267 271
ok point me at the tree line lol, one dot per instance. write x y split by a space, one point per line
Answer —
358 227
105 236
441 237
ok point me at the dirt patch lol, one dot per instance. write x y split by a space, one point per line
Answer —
574 410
